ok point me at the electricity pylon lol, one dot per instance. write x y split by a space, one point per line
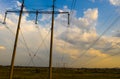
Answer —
18 28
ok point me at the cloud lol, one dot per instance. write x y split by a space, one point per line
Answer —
18 3
76 35
83 29
94 52
31 35
82 34
77 38
88 20
67 48
2 48
91 14
115 2
69 42
116 33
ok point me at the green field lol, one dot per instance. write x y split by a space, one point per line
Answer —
60 73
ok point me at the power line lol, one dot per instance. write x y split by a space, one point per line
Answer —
116 20
10 32
15 44
43 39
25 43
35 54
111 25
112 55
18 28
28 50
73 4
72 7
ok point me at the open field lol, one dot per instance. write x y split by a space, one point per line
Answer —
60 73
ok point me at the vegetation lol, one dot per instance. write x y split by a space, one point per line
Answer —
60 73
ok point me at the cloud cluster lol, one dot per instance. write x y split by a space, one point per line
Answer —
82 31
115 2
69 42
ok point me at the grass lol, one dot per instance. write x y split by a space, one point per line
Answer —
60 73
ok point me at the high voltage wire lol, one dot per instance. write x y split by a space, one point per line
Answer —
24 42
101 36
28 50
19 39
17 35
90 45
67 29
11 33
83 53
107 20
108 29
43 40
72 7
102 59
35 54
73 4
9 29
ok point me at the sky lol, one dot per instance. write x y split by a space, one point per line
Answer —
92 39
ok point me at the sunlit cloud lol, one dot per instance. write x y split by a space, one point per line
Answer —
70 42
2 48
94 52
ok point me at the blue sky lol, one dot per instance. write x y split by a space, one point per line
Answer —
90 19
105 8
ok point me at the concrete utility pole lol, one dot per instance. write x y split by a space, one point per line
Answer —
18 28
15 43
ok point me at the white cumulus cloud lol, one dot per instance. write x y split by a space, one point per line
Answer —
70 42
